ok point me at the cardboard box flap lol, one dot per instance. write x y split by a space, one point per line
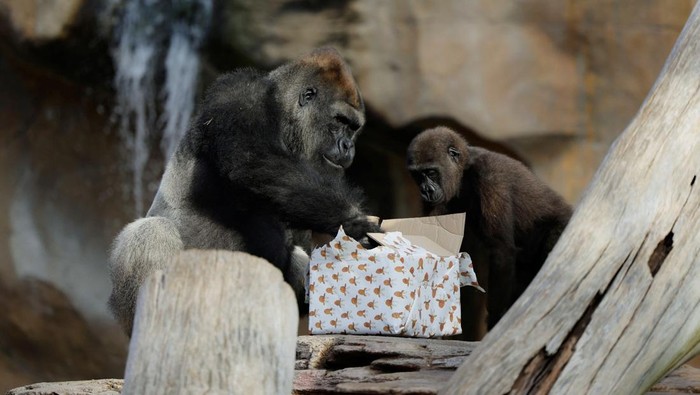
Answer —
442 235
420 241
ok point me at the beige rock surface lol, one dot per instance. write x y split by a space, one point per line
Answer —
38 20
60 205
556 81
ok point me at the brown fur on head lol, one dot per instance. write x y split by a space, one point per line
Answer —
440 149
322 108
335 70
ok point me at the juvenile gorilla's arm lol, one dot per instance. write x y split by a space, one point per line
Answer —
502 277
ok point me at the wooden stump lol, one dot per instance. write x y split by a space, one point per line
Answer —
215 322
617 304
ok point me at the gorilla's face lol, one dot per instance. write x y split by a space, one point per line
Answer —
428 180
436 160
331 125
327 111
337 145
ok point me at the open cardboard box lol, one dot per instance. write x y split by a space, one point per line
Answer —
442 235
409 285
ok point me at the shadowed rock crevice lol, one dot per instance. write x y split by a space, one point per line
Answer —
45 339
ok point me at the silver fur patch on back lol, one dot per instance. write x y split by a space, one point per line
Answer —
299 268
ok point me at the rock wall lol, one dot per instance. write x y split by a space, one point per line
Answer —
61 203
552 83
556 81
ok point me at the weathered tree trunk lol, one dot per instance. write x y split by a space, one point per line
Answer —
214 322
328 364
617 304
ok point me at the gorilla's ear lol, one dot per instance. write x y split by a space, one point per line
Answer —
454 153
306 96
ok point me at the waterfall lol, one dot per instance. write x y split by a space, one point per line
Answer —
182 66
145 108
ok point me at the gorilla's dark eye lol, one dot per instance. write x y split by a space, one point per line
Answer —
307 96
454 153
432 174
352 124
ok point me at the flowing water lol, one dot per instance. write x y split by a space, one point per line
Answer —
156 38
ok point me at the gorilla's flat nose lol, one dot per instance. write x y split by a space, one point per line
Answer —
428 192
345 145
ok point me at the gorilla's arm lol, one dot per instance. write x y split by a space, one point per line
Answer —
240 136
301 195
501 280
498 226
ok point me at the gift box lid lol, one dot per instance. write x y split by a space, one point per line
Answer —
442 235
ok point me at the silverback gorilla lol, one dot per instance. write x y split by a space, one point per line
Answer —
513 218
264 156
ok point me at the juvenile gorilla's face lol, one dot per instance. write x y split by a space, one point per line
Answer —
428 180
327 110
436 159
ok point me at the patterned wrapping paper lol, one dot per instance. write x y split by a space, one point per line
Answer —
398 289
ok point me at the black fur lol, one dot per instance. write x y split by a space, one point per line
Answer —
264 158
513 218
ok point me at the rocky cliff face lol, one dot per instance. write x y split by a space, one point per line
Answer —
552 83
556 81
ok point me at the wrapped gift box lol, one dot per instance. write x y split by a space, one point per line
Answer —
409 285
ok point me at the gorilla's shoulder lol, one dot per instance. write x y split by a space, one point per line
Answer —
499 166
238 83
236 77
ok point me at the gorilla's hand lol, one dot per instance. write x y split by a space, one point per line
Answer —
359 226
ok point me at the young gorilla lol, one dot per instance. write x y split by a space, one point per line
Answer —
264 157
513 219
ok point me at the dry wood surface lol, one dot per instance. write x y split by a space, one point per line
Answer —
391 365
617 304
215 322
367 365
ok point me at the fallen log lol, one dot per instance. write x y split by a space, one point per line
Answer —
375 364
367 365
102 387
216 322
617 304
392 365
